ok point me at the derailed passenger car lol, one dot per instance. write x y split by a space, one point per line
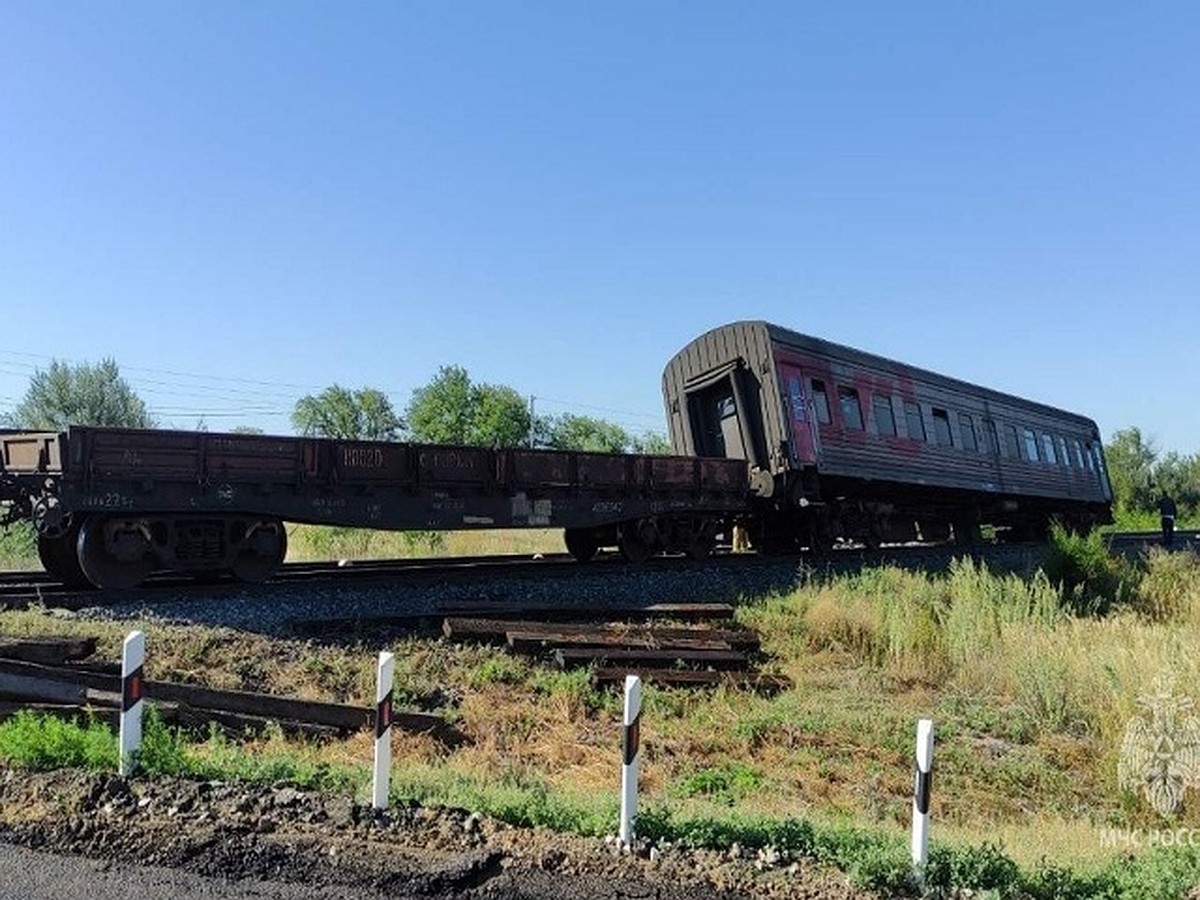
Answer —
845 443
112 505
801 440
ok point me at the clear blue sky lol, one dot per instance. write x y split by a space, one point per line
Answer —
243 202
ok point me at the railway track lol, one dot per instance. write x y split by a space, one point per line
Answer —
23 588
671 619
20 589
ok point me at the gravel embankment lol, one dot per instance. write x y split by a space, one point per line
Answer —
268 609
288 836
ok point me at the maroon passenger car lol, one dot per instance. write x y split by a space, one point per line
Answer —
845 443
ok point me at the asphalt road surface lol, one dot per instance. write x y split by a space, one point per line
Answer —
36 875
43 875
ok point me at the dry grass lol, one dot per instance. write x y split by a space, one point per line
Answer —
308 543
1030 706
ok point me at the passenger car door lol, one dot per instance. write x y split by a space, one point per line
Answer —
799 412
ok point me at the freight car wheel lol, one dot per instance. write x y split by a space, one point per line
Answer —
60 558
582 543
701 538
635 541
114 554
700 547
261 551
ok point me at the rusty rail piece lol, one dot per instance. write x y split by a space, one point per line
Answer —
46 675
472 620
702 655
759 682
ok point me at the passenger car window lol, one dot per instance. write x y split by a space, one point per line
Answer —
1079 460
941 427
851 410
1048 447
1064 452
1031 450
966 431
885 419
1011 442
796 396
916 425
820 401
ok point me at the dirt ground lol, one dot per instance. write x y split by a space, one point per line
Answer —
280 834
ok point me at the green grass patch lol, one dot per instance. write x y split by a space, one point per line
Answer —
725 783
34 741
872 858
1030 679
1091 579
18 547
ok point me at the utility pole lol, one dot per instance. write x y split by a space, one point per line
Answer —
531 420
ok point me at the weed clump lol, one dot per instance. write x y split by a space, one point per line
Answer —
34 741
726 783
1091 579
1170 588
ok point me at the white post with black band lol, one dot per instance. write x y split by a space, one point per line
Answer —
385 673
921 790
632 758
133 660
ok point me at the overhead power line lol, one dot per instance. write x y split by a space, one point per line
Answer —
260 396
171 372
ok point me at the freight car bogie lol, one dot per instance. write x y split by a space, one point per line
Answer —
117 552
637 540
693 536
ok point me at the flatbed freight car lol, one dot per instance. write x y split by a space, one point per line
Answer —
845 444
113 505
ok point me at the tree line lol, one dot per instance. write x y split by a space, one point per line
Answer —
453 409
1140 475
449 409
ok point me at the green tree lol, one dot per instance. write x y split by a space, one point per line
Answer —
80 394
652 443
501 417
1131 461
440 412
571 432
452 410
337 412
1179 476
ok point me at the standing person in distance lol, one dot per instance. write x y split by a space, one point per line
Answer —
1166 508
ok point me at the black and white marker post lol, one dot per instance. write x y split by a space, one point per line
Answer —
921 790
632 758
133 660
383 730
